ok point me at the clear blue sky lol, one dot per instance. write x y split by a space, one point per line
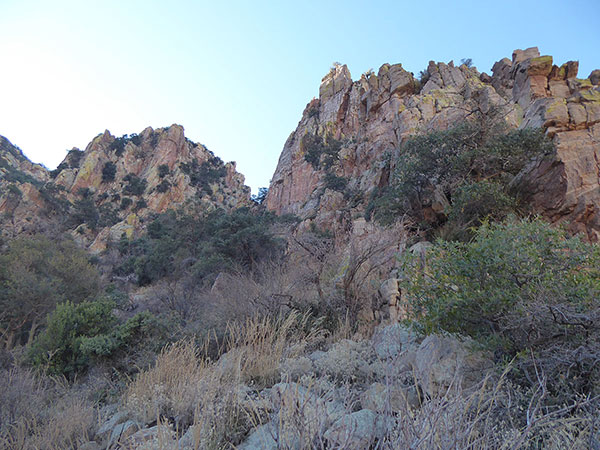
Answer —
236 74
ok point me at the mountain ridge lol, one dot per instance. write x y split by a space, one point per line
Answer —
110 187
371 117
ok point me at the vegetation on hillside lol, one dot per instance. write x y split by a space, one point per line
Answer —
223 323
177 244
471 165
523 289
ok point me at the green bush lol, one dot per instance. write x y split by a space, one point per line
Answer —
261 196
109 171
319 153
118 145
108 215
335 183
474 202
204 175
480 154
140 204
74 158
125 203
204 246
163 170
163 186
85 211
76 334
135 185
468 287
58 348
523 289
36 273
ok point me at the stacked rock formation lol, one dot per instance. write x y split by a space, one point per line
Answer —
373 115
114 184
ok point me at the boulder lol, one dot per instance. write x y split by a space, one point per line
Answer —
107 427
389 341
358 430
381 398
261 438
122 432
442 362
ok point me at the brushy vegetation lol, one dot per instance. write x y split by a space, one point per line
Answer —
39 412
109 171
221 330
471 165
176 244
205 174
135 185
320 153
76 334
36 274
523 289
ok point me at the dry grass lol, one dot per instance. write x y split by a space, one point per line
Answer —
42 413
171 388
496 416
186 386
221 402
261 343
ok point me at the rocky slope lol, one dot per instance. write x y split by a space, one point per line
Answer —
111 187
345 136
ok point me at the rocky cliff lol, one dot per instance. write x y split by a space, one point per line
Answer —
111 187
345 137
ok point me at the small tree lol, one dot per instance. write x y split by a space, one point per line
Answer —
523 289
261 196
109 171
35 274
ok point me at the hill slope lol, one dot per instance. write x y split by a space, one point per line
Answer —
341 149
109 188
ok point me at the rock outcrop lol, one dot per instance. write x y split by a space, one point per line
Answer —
338 154
107 191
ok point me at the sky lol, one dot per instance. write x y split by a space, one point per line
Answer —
238 74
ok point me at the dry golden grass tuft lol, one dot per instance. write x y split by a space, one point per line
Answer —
171 388
213 397
42 413
260 344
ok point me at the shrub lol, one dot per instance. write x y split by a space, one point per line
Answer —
335 183
108 215
55 202
74 157
163 170
447 161
14 190
519 287
85 211
135 185
125 203
77 333
261 196
36 273
118 145
319 153
163 186
219 241
205 174
58 348
140 204
473 202
109 171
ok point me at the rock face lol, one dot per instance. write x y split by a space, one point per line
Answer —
107 190
22 207
343 138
